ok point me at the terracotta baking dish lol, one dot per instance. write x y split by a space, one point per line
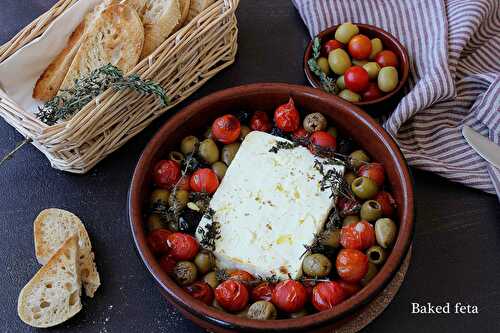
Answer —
348 118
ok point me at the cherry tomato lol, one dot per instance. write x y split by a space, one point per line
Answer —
242 276
331 45
201 291
260 122
326 295
167 263
232 295
387 58
387 203
182 246
309 285
351 265
158 241
286 117
358 236
300 134
289 296
322 140
349 288
374 171
356 79
204 180
166 174
347 206
263 292
360 47
372 93
226 129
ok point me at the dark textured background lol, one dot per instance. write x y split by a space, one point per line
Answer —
457 241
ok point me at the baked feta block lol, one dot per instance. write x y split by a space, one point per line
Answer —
269 205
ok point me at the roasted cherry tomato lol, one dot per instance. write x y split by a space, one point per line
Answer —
387 58
260 122
326 295
387 203
300 134
322 140
232 295
372 93
286 117
263 292
356 79
359 236
348 206
351 265
204 180
166 174
242 276
183 247
331 45
360 47
374 171
167 263
289 296
226 129
158 241
349 288
201 291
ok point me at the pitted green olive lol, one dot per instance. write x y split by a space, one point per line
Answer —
262 310
211 279
220 169
371 211
189 144
364 188
176 156
370 274
229 152
209 151
385 232
316 265
159 196
204 261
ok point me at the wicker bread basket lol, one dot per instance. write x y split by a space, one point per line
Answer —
184 62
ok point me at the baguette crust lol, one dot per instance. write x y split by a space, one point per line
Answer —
197 6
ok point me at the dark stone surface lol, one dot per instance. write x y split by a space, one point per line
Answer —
457 242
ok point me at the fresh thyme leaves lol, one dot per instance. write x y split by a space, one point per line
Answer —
316 48
283 145
210 233
334 221
318 246
327 83
333 179
72 100
222 275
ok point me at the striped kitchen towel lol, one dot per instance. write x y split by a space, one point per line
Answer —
454 48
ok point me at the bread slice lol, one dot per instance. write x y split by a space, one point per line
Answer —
116 38
197 6
51 229
52 296
184 5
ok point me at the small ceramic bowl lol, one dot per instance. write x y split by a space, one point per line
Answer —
380 105
349 119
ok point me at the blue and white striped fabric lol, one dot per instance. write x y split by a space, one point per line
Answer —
454 47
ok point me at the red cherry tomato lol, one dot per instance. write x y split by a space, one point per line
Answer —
232 295
322 140
309 285
286 117
347 206
356 79
387 203
201 291
387 58
359 236
263 292
374 171
372 93
167 263
182 246
351 265
204 180
260 122
158 241
360 47
242 276
289 296
326 295
331 45
349 288
226 129
300 134
166 174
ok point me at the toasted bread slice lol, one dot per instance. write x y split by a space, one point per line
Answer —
197 6
184 4
51 229
52 296
116 38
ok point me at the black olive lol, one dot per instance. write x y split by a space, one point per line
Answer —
346 146
243 116
189 220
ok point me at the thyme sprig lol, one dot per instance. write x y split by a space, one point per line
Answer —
283 145
210 233
327 83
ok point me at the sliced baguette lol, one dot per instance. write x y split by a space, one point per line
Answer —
197 6
51 229
52 296
184 4
116 38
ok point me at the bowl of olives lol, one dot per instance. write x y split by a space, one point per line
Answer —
345 268
360 63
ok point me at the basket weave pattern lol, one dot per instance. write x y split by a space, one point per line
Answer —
182 64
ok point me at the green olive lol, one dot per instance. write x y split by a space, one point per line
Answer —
372 68
339 61
330 238
359 63
155 222
345 32
316 265
323 64
340 82
371 211
314 122
244 130
179 198
349 177
370 274
350 219
358 157
189 144
159 196
220 169
204 261
388 79
209 151
376 255
385 232
299 314
184 273
350 96
364 188
176 156
229 152
333 131
262 310
211 279
376 47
